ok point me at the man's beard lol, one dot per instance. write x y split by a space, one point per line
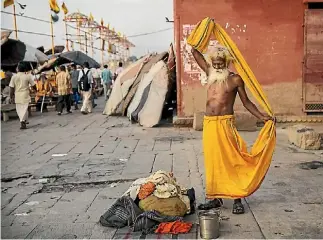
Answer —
218 75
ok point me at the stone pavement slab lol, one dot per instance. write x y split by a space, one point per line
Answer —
62 231
141 162
145 145
163 145
163 161
127 145
38 203
75 202
63 148
106 146
85 147
16 231
104 155
99 232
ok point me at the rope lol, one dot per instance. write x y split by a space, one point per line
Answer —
149 33
46 21
28 32
90 34
83 44
33 18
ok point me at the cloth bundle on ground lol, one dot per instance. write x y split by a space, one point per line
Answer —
146 190
124 212
158 178
172 206
174 227
232 171
161 192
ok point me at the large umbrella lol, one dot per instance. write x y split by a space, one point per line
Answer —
46 66
15 51
77 57
57 49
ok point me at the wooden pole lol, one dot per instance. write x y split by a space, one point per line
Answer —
15 21
52 34
66 34
79 34
85 43
102 48
91 39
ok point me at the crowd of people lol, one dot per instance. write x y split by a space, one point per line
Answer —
73 83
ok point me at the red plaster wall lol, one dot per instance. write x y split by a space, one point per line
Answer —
268 33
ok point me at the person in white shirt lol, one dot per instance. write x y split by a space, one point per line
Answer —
20 94
100 79
96 83
118 71
86 92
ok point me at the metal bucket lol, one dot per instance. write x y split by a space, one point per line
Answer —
209 224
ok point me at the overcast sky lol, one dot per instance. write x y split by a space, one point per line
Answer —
130 17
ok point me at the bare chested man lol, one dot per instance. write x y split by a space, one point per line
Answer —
223 87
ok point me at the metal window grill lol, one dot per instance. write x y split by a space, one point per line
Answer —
314 107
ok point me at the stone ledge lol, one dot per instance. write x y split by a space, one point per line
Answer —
183 121
198 121
304 137
299 119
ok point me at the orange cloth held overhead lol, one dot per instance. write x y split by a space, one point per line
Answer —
146 190
174 227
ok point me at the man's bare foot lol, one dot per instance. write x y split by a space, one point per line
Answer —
215 203
238 207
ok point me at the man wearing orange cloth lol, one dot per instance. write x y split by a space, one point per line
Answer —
222 88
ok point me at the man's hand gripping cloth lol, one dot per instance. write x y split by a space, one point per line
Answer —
231 171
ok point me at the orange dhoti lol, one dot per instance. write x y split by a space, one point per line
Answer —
230 170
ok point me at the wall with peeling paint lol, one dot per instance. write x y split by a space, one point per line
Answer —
268 33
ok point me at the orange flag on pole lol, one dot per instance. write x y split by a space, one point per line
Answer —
8 3
54 6
64 8
91 18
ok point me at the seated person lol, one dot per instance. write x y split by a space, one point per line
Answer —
5 80
44 88
5 96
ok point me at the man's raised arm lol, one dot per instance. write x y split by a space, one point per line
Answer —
200 60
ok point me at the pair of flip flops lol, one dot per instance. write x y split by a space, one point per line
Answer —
217 203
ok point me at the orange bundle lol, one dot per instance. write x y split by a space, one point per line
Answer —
146 190
174 227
